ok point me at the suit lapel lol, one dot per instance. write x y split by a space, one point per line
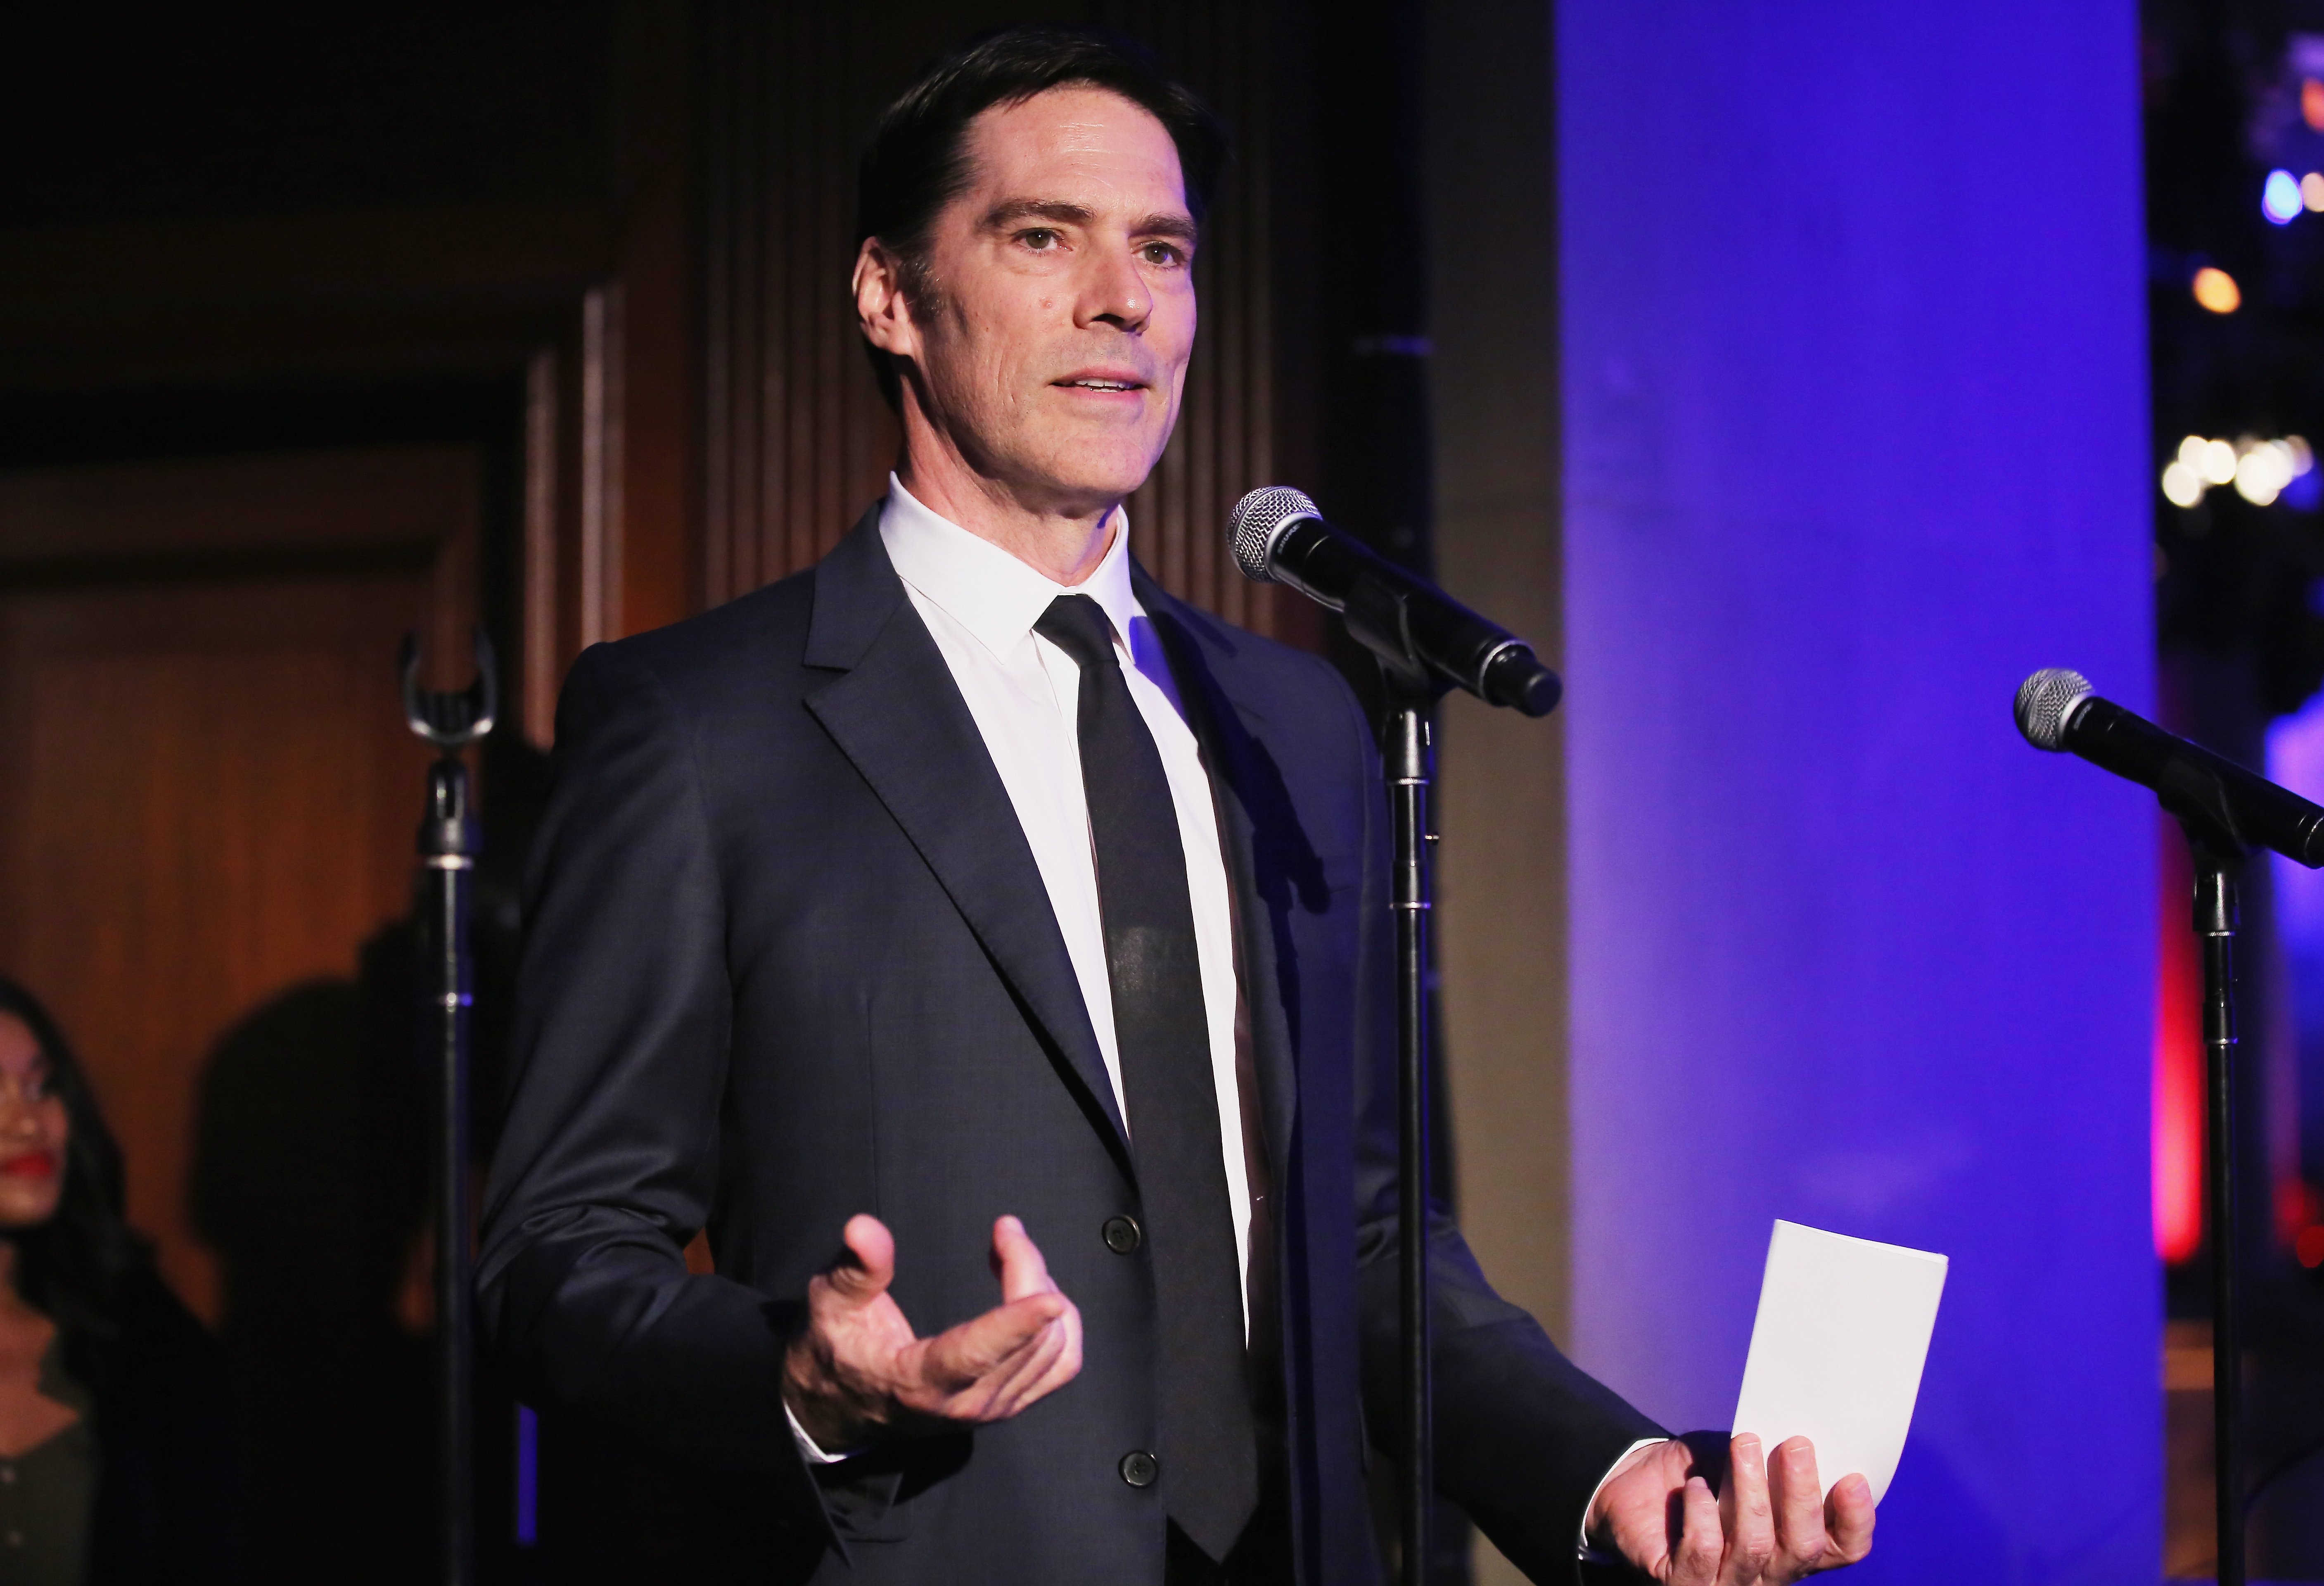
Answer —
1248 792
895 712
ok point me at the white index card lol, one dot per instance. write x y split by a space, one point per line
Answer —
1837 1350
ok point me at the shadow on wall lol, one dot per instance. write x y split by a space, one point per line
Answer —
310 1181
313 1136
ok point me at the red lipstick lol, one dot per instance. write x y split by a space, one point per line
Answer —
30 1165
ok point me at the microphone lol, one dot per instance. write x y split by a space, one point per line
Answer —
1411 624
2057 711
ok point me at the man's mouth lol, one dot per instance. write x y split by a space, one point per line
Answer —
1109 382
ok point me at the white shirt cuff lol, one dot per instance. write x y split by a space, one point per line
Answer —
807 1445
1582 1548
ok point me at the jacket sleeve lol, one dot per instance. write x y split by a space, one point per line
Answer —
1523 1436
607 1163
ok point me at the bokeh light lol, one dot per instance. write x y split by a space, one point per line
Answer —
2216 290
2279 199
2312 191
2261 474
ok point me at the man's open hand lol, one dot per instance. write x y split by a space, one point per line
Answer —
1764 1528
857 1374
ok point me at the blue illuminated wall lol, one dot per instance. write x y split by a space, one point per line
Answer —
2295 758
1854 387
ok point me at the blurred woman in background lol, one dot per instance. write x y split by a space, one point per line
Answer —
114 1449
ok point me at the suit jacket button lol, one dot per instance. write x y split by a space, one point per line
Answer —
1139 1468
1122 1235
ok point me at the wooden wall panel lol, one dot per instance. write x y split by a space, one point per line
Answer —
796 439
210 793
582 535
1224 445
652 576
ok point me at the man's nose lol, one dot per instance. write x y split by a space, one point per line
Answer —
1115 292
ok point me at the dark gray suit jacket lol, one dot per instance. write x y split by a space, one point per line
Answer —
790 959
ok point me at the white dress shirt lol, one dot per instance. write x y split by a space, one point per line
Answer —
979 603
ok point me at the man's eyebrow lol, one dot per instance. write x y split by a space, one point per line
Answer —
1165 223
1168 223
1056 209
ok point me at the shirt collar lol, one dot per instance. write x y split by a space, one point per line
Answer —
984 588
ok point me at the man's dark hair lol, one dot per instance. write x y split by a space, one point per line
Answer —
917 160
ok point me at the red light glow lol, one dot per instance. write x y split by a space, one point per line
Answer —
2297 1204
2178 1141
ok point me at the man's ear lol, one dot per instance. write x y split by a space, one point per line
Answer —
881 308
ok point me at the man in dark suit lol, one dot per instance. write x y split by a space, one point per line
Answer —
969 909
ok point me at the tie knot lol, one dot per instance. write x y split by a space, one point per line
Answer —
1078 625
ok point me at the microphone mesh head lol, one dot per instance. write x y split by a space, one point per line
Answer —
1259 519
2044 701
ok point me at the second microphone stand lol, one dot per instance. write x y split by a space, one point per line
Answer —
449 842
2217 868
2220 852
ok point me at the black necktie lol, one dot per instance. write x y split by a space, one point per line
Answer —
1209 1448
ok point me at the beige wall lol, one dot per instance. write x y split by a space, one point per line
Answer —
1501 879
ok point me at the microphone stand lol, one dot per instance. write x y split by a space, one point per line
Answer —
1408 765
2219 853
449 842
2216 918
1381 622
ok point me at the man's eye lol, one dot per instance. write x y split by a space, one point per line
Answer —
1163 254
1040 239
